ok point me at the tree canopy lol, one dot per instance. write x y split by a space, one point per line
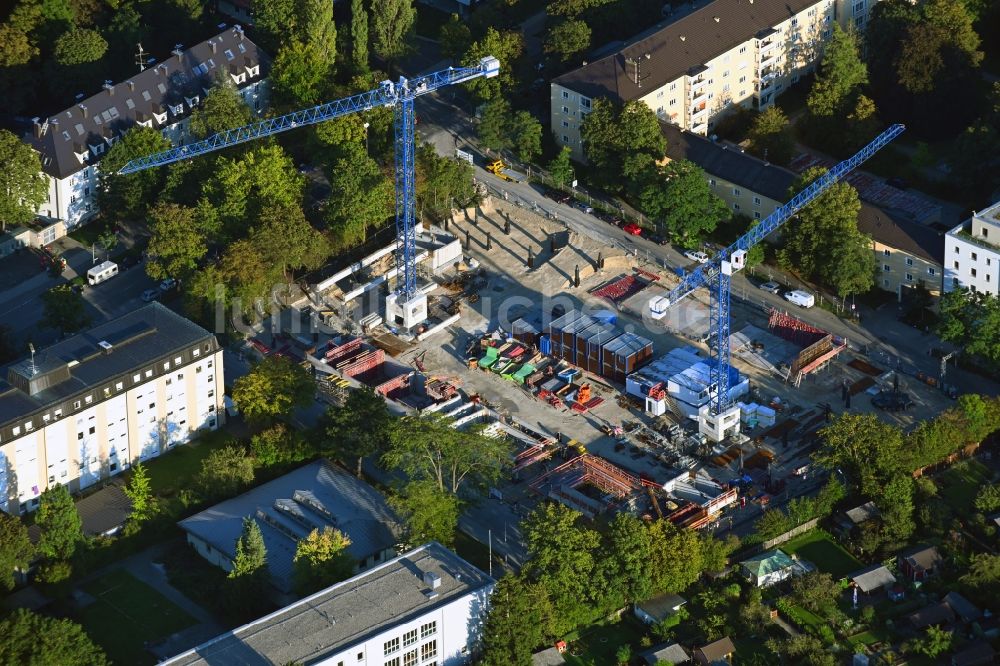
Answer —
79 46
177 242
362 197
321 559
31 639
391 26
225 472
359 428
681 202
22 187
519 621
567 39
621 141
222 109
60 524
273 388
972 320
771 136
127 197
507 46
64 309
430 514
841 74
16 549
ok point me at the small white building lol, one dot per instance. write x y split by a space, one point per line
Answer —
424 607
972 253
684 376
88 407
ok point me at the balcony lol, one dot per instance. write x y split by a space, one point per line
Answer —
767 59
699 127
769 74
698 83
699 96
700 112
766 45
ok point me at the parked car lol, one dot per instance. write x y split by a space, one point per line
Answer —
168 284
892 401
771 287
801 298
150 295
633 228
659 240
556 195
696 255
586 208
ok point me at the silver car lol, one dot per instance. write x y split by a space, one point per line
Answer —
771 287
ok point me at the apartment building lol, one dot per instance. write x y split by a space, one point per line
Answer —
972 253
696 68
88 407
423 608
907 254
162 96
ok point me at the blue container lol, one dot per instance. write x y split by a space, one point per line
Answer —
544 345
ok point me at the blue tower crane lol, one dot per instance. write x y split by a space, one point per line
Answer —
407 306
717 274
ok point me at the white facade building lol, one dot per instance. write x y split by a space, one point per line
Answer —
91 405
972 253
698 67
423 608
72 142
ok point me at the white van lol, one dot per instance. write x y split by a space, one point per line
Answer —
801 298
102 272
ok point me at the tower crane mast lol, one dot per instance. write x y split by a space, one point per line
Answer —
407 306
717 274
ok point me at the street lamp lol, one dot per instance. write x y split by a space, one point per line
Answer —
366 138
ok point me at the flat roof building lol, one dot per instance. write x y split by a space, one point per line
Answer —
424 607
972 253
89 406
316 496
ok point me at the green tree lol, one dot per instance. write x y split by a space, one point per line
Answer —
561 169
245 277
815 590
681 202
246 593
895 502
359 36
19 47
455 38
823 241
123 197
273 388
59 523
428 447
493 124
441 181
945 36
139 491
277 444
803 649
299 76
177 242
561 557
982 578
79 46
16 549
321 559
23 188
567 39
678 556
935 642
361 197
526 136
841 74
771 136
971 319
572 8
224 472
391 26
222 109
621 141
430 514
64 310
519 621
359 428
629 555
276 22
507 46
317 28
868 450
862 123
288 242
988 498
30 639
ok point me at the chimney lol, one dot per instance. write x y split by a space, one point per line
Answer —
83 110
214 45
716 19
178 51
110 87
432 580
131 85
39 127
683 38
106 346
238 29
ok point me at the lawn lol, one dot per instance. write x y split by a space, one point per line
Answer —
597 647
819 547
172 471
127 615
875 635
961 482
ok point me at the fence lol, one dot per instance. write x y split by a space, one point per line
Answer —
778 540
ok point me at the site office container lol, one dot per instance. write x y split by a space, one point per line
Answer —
624 355
555 330
593 342
575 329
524 332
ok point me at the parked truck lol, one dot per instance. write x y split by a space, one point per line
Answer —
500 170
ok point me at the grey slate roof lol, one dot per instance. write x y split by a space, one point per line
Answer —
873 578
717 651
548 657
923 557
109 113
347 613
316 495
670 56
661 606
672 653
729 163
900 233
862 513
79 363
964 608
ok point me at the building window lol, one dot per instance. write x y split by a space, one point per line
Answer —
736 206
585 102
956 265
909 261
195 352
410 658
974 257
756 215
428 650
565 123
956 249
392 662
149 373
972 272
565 109
76 404
756 201
736 192
743 49
886 252
987 277
931 271
909 277
361 656
428 629
391 646
410 637
673 86
725 74
711 182
885 268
